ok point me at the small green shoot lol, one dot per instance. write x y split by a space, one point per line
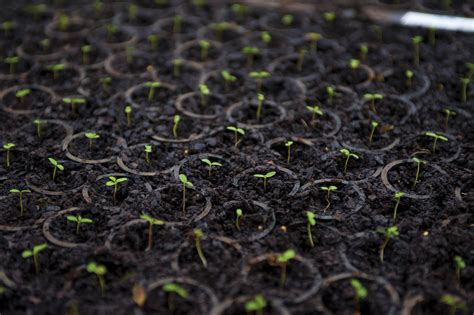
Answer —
315 111
105 83
204 45
360 293
56 69
128 113
354 64
204 93
20 192
311 223
470 69
328 190
288 144
372 97
99 271
435 137
34 253
261 99
256 305
113 181
416 40
152 86
389 233
186 183
409 76
454 302
228 79
329 16
151 222
74 101
373 126
363 51
397 196
287 19
348 154
78 220
219 28
301 56
177 63
21 94
153 40
418 167
173 289
8 147
459 264
210 165
238 218
282 260
331 91
63 22
176 120
313 39
464 84
236 132
239 9
132 12
91 136
86 51
38 122
265 37
265 177
251 53
259 76
448 114
147 152
56 165
198 235
12 62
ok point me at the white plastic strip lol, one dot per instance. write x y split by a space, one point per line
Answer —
450 23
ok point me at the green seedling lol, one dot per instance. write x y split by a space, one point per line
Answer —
198 235
177 24
186 183
99 271
151 222
105 82
331 91
204 93
57 167
36 10
173 290
409 76
176 120
315 111
363 51
78 220
418 167
63 23
34 253
397 196
86 51
348 154
98 6
416 40
261 99
177 63
20 192
21 94
432 36
257 305
204 45
464 85
8 147
329 16
152 86
259 76
74 101
354 64
239 9
328 190
311 223
378 31
113 181
12 62
288 144
111 29
210 165
153 40
287 19
435 137
45 44
250 53
91 136
228 79
360 293
132 12
373 126
7 27
199 3
454 302
448 114
238 218
236 132
265 37
128 113
38 122
459 264
299 63
389 233
470 69
56 69
313 39
219 28
129 51
282 261
265 177
147 152
373 97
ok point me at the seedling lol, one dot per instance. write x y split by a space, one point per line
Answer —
105 82
331 91
260 98
56 165
86 51
418 167
301 55
20 192
328 190
173 289
111 29
91 136
177 67
128 113
259 76
239 9
186 183
265 177
266 37
12 62
34 253
329 16
448 114
310 226
219 29
316 111
198 235
151 92
373 126
129 54
79 220
256 305
409 75
63 23
113 181
147 152
99 271
416 40
236 132
210 165
454 303
74 102
132 12
360 293
176 120
251 53
372 97
389 233
199 3
313 38
348 154
98 6
204 93
153 40
470 69
282 260
204 45
288 144
398 196
363 51
354 64
56 69
464 85
435 137
45 44
459 264
151 222
177 24
8 147
38 122
7 26
287 19
228 79
21 94
238 218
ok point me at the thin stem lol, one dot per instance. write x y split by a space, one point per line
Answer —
328 201
150 236
382 248
418 166
345 164
200 253
115 192
35 259
101 283
283 275
184 198
371 135
434 144
356 305
396 208
289 154
171 302
310 236
21 204
54 172
77 227
8 158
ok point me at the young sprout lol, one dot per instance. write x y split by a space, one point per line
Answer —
111 29
105 82
301 55
313 38
236 132
199 3
373 126
265 177
416 40
460 264
250 52
45 44
418 167
128 113
388 233
74 102
129 54
448 114
288 144
398 196
204 92
454 303
186 183
287 19
328 190
409 75
228 79
99 271
363 50
239 9
176 120
204 45
98 6
177 24
56 69
86 50
329 16
266 37
259 76
210 165
464 84
151 222
238 218
20 192
435 137
348 154
36 10
198 235
113 181
470 69
219 29
63 22
260 98
12 62
256 305
21 94
34 253
310 226
153 40
331 91
372 97
56 165
7 26
152 86
315 110
147 152
354 64
282 260
91 136
173 289
38 122
132 12
8 147
177 67
79 220
360 293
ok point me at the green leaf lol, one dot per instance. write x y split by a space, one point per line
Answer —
27 253
14 190
311 219
60 167
286 256
110 183
86 220
208 162
177 289
270 174
72 218
122 179
183 178
259 175
39 248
